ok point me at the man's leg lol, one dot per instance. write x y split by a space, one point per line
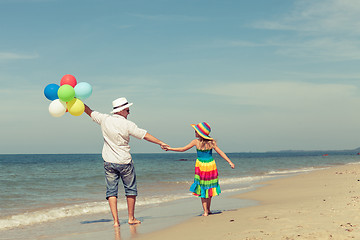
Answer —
114 210
131 199
129 180
112 181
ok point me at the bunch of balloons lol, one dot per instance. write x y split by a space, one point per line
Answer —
68 96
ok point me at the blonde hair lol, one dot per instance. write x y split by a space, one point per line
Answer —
206 144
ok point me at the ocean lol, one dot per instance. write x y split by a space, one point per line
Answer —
44 188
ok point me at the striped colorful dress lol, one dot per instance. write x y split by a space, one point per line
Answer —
206 181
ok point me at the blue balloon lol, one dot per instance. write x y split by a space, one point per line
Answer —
51 90
83 90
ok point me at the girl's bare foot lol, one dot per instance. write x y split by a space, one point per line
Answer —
205 214
116 224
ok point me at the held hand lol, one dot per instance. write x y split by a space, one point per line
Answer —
232 165
165 147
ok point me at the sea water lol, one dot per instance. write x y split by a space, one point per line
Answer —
41 188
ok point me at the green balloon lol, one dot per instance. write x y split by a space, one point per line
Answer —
66 93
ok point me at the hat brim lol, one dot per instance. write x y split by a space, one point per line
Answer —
121 108
200 133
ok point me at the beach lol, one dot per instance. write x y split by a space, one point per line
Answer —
322 204
267 196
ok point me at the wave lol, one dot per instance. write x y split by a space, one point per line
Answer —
236 189
56 213
353 163
246 179
60 212
293 171
266 176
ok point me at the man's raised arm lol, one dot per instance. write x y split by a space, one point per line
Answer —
88 111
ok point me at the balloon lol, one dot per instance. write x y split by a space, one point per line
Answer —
66 93
69 80
57 108
51 91
76 107
83 90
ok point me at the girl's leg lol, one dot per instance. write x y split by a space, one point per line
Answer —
205 205
208 205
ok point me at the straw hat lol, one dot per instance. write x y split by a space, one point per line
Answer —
203 129
120 104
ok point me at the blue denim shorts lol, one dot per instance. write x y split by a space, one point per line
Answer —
113 173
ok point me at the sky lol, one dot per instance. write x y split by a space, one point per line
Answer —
266 75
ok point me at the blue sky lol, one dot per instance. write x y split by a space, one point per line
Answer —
266 75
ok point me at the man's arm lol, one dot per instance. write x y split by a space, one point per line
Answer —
88 111
151 138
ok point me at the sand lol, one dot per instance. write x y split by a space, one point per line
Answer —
322 204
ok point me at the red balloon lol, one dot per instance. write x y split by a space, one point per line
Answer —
68 79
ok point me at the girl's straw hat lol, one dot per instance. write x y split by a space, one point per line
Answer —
203 129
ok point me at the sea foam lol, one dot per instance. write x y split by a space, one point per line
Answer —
56 213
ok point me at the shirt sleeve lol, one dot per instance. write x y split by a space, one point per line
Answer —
98 117
135 131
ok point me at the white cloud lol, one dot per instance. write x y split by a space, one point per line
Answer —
325 48
289 115
244 44
124 26
290 96
318 16
324 29
163 17
17 56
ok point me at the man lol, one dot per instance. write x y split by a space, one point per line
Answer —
116 130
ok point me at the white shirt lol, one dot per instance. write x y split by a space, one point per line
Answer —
117 131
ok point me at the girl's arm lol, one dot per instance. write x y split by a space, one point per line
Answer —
183 149
223 155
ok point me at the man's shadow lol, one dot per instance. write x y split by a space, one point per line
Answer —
96 221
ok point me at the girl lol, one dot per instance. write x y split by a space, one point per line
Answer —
206 183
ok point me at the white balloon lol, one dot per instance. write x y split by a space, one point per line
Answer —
57 108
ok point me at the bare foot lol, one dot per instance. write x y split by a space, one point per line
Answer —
134 221
206 214
116 224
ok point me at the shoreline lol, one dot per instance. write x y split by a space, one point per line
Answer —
100 225
322 204
296 206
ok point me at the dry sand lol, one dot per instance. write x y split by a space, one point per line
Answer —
323 204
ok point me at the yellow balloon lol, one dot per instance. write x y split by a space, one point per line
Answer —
76 107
